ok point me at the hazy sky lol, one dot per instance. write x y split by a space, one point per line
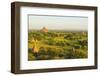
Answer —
58 22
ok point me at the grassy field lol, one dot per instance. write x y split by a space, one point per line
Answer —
57 45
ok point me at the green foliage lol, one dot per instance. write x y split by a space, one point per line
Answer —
57 45
31 56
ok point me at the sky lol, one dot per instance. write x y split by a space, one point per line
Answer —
37 22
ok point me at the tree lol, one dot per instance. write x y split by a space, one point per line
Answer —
31 56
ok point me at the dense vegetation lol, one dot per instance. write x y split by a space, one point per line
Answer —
57 45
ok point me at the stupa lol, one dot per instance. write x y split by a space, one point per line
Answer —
35 49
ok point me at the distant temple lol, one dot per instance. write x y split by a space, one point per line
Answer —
44 29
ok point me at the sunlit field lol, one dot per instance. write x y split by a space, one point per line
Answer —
54 44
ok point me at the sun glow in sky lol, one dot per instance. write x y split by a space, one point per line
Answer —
37 22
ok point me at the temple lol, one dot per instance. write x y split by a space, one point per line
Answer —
44 29
34 48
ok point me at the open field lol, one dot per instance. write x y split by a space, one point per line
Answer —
57 45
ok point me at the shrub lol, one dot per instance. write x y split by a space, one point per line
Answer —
31 56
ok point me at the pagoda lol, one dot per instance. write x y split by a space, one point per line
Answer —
34 48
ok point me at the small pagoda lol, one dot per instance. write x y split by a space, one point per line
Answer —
34 48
